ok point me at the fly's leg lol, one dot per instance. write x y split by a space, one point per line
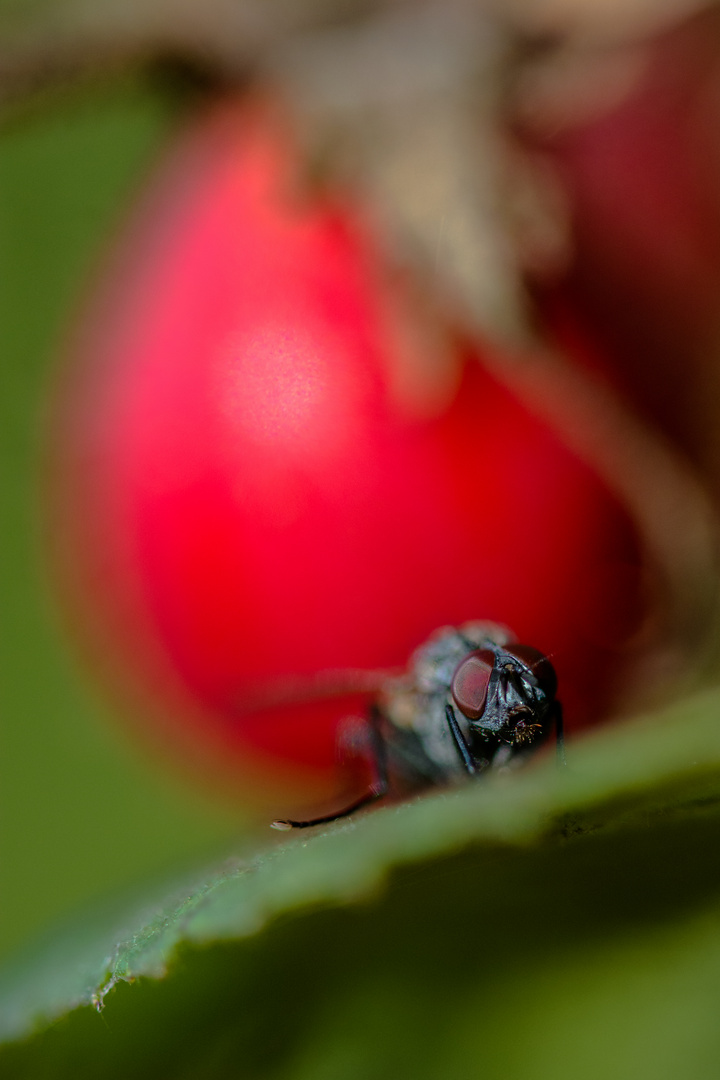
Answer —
372 796
462 747
378 789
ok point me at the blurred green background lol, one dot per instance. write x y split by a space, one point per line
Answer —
82 810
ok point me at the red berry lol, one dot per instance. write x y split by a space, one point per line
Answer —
251 503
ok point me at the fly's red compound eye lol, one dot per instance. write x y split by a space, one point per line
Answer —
470 683
539 664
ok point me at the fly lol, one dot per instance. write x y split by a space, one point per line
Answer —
473 699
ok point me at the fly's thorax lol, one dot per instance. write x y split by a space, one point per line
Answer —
433 665
412 701
416 702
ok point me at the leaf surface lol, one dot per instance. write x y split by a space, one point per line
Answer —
521 921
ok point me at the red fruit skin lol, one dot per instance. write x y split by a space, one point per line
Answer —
246 499
639 298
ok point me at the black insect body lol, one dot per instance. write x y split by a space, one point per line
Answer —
473 699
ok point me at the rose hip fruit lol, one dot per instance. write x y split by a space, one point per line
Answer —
251 511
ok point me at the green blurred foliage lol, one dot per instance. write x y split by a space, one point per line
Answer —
548 924
81 811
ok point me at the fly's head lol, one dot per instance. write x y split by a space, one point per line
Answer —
507 695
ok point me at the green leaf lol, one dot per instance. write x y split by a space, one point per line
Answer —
545 923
